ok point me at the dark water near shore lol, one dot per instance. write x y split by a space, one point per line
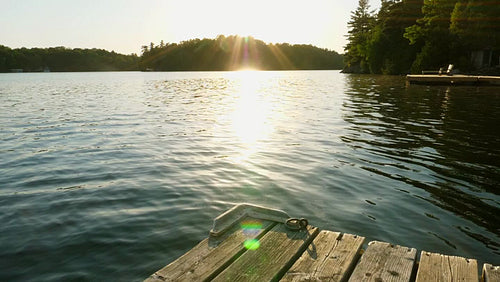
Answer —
110 176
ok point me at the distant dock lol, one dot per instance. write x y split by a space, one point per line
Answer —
435 79
279 253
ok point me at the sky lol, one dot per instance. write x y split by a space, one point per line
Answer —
124 26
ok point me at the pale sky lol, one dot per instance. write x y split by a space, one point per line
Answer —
125 25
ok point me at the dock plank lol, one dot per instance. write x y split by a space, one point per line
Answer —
208 258
442 79
279 248
437 267
491 273
310 255
385 262
331 256
452 79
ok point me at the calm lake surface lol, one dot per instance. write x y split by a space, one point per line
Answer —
110 176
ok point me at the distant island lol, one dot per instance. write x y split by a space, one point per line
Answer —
219 54
411 36
236 52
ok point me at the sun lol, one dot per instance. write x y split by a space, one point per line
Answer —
244 54
247 69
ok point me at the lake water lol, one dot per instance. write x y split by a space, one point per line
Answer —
110 176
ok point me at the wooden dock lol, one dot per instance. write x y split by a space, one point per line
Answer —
453 79
277 253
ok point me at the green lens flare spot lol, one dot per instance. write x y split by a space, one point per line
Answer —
251 225
251 244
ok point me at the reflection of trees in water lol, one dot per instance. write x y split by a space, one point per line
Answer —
444 140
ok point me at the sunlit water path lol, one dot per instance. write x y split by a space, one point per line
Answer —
109 176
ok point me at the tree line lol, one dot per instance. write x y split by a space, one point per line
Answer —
64 59
222 53
414 35
236 52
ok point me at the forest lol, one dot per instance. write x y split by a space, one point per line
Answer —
64 59
410 36
222 53
236 52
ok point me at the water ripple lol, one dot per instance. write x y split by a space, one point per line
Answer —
108 176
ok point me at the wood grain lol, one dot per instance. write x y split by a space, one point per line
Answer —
279 248
330 257
437 267
491 273
208 258
385 262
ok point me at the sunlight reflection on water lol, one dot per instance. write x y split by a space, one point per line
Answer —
253 114
108 175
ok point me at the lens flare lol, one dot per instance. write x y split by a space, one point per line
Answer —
251 229
251 244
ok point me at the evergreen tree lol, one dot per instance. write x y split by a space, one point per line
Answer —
388 50
360 25
416 35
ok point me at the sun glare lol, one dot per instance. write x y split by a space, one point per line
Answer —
252 118
247 70
251 110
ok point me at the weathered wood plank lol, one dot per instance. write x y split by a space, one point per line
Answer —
491 273
330 257
278 250
385 262
209 257
437 267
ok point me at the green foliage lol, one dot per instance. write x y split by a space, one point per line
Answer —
393 18
432 31
416 35
360 27
65 59
476 23
381 46
235 52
